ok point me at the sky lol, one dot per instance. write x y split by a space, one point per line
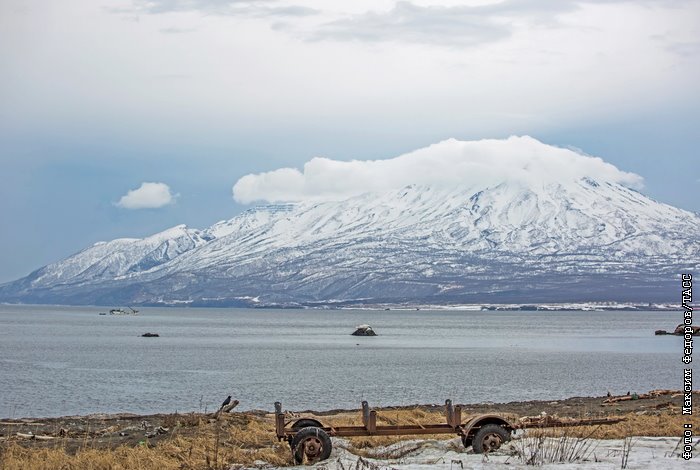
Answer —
122 118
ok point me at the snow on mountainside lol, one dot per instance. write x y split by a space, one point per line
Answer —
516 240
107 260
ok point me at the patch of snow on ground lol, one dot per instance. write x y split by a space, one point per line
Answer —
647 453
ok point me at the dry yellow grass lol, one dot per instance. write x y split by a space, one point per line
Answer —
215 445
195 443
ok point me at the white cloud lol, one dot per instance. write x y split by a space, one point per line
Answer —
448 163
147 196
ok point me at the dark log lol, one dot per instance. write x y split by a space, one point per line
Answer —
226 409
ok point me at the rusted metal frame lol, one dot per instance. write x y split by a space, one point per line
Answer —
453 416
279 421
365 413
396 430
353 431
279 425
369 418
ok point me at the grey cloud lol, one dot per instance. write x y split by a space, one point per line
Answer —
684 49
176 30
261 8
412 23
292 10
671 43
453 25
210 6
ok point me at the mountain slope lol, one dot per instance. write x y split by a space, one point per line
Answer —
513 241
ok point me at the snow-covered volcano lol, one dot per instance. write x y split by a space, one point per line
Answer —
582 237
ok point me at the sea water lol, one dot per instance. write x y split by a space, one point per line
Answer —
57 361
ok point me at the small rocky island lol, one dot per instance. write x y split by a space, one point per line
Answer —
364 330
680 331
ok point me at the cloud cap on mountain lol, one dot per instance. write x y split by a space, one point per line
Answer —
448 163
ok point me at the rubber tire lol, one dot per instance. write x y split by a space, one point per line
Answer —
306 423
306 433
478 441
301 424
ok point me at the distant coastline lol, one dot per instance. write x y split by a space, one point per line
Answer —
351 305
583 307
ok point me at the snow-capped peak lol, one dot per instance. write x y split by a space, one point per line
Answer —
490 234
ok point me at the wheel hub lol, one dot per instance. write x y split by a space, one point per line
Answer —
492 442
312 448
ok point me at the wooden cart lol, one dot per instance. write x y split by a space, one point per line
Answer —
310 439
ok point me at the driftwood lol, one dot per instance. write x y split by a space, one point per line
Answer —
226 409
34 436
643 396
554 421
20 423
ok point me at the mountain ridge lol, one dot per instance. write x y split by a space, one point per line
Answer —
581 240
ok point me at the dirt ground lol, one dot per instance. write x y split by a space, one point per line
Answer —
73 433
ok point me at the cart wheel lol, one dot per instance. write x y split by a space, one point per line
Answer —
311 445
306 423
489 438
301 424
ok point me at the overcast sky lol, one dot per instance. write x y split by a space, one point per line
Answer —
122 118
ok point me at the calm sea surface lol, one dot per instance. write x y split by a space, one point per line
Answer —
69 360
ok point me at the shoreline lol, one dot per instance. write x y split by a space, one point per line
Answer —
245 439
564 407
